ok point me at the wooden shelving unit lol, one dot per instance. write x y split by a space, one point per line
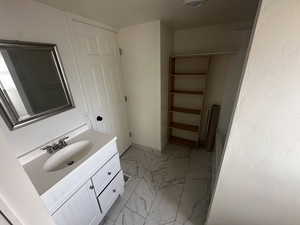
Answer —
182 141
185 110
187 92
183 126
197 76
189 74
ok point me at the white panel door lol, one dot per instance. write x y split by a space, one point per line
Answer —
81 209
99 64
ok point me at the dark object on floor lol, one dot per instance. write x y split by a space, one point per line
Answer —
212 127
126 178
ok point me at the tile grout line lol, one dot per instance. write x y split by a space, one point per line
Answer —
149 181
181 196
125 204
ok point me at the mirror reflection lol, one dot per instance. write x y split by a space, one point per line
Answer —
32 83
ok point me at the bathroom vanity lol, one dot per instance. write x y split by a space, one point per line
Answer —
80 192
78 178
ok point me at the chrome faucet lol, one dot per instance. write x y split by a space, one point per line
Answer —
56 146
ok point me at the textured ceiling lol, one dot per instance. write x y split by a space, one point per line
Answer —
122 13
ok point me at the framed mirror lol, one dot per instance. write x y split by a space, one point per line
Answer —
33 84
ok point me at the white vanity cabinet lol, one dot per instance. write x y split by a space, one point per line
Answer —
85 195
81 209
111 193
106 173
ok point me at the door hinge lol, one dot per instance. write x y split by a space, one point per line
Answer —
121 51
130 134
125 98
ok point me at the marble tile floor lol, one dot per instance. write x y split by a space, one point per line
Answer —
170 188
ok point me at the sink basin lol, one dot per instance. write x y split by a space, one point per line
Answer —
67 156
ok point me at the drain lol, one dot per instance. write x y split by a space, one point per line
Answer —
70 163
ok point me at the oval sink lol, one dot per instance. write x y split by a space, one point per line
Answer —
67 156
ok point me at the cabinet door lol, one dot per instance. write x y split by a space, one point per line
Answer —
81 209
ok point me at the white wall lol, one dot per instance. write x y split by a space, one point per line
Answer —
31 21
18 198
216 88
142 75
259 178
230 88
223 83
226 37
167 39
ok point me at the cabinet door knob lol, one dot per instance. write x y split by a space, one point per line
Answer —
114 190
109 173
92 187
99 118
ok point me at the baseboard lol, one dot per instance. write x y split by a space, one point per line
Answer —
145 148
125 151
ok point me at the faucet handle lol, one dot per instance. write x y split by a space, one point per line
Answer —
63 142
48 148
64 138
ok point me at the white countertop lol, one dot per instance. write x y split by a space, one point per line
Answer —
43 180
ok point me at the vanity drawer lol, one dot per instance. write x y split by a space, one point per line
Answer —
111 193
102 178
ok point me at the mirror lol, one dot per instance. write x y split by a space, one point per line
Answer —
33 85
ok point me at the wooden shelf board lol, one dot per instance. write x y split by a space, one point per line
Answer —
187 92
189 74
182 141
183 126
202 54
186 110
